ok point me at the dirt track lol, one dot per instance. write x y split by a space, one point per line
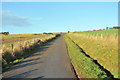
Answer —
52 61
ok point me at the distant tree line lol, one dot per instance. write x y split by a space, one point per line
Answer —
5 33
47 33
115 27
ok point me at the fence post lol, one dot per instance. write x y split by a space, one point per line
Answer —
12 49
101 36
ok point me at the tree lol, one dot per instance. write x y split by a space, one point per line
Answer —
106 27
5 33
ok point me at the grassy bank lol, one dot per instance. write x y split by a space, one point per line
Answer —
102 49
85 66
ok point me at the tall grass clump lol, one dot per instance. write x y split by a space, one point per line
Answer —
7 54
18 50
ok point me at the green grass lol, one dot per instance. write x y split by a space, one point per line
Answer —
103 32
7 66
84 65
105 52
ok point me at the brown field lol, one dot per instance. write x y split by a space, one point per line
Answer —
19 37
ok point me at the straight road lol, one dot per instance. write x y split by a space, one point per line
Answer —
51 61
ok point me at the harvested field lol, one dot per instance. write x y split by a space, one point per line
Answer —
19 37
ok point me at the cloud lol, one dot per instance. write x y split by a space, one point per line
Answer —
9 19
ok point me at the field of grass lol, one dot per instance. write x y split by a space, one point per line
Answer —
16 49
84 66
104 33
103 49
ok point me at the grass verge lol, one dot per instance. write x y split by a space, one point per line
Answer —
105 52
84 66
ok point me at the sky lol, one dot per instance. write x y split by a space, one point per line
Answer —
39 17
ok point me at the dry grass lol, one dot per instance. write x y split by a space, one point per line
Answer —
84 65
109 38
7 54
18 50
15 50
104 49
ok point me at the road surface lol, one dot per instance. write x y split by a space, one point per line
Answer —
51 61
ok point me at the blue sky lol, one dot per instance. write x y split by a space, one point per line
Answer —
39 17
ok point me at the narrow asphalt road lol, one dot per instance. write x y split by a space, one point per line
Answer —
51 61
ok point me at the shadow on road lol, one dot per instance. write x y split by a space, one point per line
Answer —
25 65
23 74
30 62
